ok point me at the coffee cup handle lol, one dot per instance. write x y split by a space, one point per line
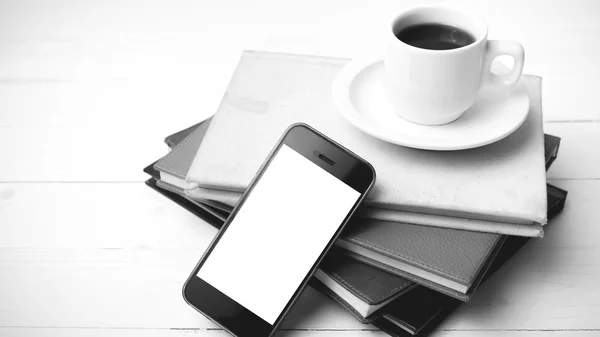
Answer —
495 48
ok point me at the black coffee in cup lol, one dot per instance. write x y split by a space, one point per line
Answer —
434 36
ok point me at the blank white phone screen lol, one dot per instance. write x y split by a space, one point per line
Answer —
278 234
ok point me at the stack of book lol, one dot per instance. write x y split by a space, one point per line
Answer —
435 225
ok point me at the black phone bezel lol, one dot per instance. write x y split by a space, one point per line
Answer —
330 156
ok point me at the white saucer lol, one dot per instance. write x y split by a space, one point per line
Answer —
359 95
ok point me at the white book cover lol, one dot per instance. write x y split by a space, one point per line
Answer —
498 188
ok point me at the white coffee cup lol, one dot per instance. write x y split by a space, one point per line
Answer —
434 87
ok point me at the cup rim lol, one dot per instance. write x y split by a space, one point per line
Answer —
479 39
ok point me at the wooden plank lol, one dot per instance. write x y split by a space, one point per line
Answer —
186 65
578 156
108 332
127 288
118 153
76 153
96 216
104 103
50 269
69 252
76 332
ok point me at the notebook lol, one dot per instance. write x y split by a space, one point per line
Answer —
556 199
211 215
551 146
362 289
178 137
174 166
450 261
416 310
415 316
421 310
228 199
431 303
447 260
426 255
498 188
413 312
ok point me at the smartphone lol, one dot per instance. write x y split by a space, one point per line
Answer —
289 217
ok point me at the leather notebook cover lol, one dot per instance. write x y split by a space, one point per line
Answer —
178 190
373 287
416 309
213 216
227 199
551 146
176 138
270 91
439 258
421 310
177 162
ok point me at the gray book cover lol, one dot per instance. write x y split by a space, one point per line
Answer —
175 165
498 188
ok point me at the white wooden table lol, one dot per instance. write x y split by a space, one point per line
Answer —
88 90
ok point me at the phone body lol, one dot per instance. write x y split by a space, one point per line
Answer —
288 218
